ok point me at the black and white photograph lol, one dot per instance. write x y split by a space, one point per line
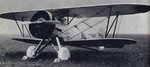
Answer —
74 33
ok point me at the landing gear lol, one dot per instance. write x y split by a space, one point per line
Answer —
30 53
63 53
33 51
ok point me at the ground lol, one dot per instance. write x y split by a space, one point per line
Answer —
136 55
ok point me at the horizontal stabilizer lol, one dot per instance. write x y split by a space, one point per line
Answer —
28 40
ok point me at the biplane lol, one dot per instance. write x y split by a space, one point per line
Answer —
53 27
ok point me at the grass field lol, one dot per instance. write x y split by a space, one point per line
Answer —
11 53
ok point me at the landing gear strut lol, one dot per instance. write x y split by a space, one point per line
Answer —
33 51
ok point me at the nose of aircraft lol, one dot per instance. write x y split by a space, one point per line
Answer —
41 30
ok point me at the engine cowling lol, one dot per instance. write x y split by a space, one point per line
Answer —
41 30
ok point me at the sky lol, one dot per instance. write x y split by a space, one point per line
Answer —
130 24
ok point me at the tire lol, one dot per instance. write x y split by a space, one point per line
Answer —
64 53
31 52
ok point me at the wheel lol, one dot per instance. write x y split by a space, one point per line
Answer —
31 52
64 53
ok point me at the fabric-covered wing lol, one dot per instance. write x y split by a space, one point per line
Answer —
103 10
28 40
108 43
84 11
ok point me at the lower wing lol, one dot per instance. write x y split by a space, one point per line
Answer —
108 43
28 40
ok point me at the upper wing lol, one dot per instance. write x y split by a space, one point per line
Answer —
109 42
84 11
